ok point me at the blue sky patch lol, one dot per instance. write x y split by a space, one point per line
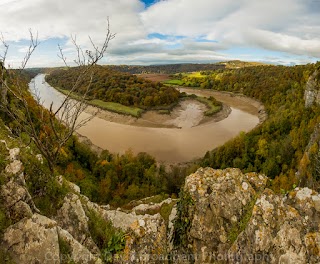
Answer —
149 2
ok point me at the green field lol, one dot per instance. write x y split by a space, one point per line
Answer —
174 82
109 106
195 75
118 108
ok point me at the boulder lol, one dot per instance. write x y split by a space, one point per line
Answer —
32 240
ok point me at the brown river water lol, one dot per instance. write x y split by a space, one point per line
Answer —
170 145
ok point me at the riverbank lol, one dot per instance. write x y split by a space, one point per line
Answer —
188 113
239 101
170 146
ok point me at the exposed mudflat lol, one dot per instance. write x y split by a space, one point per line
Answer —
188 113
197 134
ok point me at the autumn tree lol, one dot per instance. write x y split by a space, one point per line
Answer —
49 129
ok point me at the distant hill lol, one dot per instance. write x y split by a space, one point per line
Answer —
167 69
236 64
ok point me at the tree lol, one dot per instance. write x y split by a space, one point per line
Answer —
49 129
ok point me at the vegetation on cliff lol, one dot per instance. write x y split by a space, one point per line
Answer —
275 147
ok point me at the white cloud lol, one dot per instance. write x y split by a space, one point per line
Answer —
290 26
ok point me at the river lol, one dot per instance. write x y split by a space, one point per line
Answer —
170 145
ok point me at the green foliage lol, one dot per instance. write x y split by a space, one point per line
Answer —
275 147
238 227
47 193
5 257
174 82
117 108
165 211
4 220
182 223
117 179
112 86
65 252
3 156
109 239
213 105
167 69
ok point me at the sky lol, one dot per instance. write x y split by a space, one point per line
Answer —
164 31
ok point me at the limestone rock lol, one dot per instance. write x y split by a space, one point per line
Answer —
281 230
14 154
72 217
149 208
77 252
221 198
312 91
33 240
16 199
146 235
75 188
14 168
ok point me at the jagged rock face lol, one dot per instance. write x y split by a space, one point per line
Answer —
282 229
72 218
225 228
233 218
312 91
146 237
221 198
36 240
33 240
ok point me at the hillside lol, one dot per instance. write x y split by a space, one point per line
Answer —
221 213
109 85
235 64
274 148
167 69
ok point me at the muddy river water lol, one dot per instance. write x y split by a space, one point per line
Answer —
170 145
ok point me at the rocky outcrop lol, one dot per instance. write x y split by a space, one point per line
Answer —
73 218
146 235
235 219
32 240
224 216
312 91
221 200
282 229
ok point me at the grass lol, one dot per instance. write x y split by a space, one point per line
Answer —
117 108
110 240
213 108
195 75
109 106
238 227
174 82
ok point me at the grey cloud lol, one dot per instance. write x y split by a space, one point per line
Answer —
290 26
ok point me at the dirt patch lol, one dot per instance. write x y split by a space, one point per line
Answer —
155 77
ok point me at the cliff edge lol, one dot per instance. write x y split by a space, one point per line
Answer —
222 216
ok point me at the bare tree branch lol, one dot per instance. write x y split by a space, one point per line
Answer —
50 129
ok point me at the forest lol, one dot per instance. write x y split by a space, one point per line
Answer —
113 86
275 148
167 68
